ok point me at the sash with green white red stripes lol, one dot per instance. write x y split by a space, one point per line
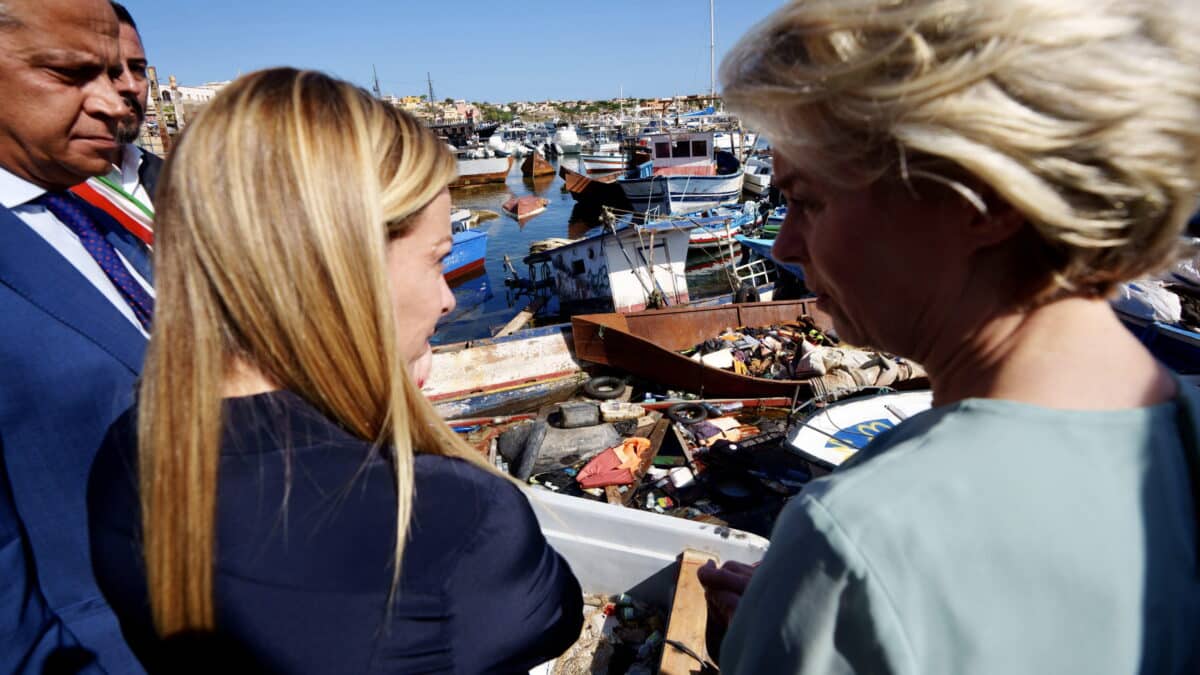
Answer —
128 210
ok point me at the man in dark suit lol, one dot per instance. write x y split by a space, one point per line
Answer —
136 91
126 192
76 300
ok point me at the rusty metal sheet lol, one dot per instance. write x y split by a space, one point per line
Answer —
647 344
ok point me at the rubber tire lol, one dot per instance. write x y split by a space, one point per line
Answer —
746 293
687 413
604 388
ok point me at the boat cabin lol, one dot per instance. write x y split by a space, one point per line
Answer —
681 154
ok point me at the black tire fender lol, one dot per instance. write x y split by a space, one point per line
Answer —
746 293
604 387
687 413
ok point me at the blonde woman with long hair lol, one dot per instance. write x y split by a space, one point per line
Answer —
290 499
967 181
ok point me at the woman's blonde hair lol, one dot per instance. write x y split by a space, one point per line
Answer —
274 213
1084 115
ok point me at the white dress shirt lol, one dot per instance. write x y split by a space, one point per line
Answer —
16 195
127 176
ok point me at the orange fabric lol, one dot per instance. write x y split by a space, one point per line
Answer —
616 465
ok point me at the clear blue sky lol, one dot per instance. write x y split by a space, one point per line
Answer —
480 50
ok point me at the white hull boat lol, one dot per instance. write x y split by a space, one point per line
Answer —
603 162
758 175
682 194
567 141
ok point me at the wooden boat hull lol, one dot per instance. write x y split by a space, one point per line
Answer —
536 165
648 343
491 172
503 376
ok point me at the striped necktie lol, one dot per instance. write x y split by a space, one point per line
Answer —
72 214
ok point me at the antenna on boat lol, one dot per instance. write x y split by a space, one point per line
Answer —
712 63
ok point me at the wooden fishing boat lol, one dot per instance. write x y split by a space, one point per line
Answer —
466 256
602 189
648 343
482 171
536 165
507 375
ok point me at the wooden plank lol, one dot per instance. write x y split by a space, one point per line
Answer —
523 317
688 619
656 440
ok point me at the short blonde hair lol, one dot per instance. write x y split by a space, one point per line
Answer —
274 213
1082 114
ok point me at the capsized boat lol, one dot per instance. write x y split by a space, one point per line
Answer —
525 207
648 344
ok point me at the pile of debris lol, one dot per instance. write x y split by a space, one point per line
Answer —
721 464
799 351
620 635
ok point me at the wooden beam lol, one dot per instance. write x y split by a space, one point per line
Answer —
688 619
523 317
656 440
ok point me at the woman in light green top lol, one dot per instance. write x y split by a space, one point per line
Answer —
967 181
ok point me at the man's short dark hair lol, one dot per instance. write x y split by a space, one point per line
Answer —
123 15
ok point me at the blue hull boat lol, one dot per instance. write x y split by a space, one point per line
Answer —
466 256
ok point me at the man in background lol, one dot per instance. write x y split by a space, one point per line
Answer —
126 191
76 302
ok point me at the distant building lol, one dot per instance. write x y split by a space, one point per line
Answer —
199 94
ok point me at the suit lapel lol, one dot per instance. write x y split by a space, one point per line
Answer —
35 270
149 170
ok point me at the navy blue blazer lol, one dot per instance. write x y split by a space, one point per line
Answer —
68 363
305 535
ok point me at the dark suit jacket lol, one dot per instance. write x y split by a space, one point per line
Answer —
149 171
68 362
303 565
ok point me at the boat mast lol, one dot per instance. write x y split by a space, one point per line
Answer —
429 79
712 45
378 94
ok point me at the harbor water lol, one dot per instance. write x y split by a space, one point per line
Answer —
484 305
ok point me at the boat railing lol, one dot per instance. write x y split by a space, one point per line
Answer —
758 272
